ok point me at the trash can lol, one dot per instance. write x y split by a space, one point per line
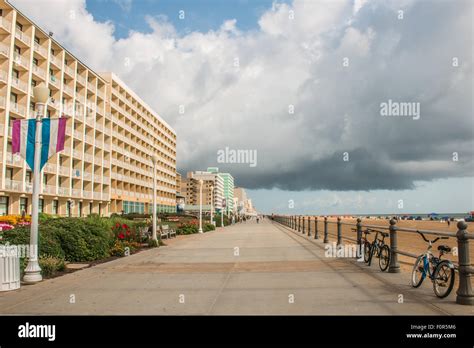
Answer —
9 268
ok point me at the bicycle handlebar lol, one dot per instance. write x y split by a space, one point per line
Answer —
431 241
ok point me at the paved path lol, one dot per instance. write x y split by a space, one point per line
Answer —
276 271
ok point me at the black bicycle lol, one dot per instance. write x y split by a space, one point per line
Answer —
377 248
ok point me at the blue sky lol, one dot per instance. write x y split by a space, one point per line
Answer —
202 15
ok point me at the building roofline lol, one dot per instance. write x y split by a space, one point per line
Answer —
117 79
54 40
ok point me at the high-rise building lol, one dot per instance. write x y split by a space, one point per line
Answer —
111 134
212 191
228 181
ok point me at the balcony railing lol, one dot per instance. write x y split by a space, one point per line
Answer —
28 187
56 61
22 36
64 170
49 189
50 168
5 24
40 49
77 153
17 83
19 60
88 157
4 49
87 176
80 79
39 71
63 191
13 185
78 134
17 108
54 81
97 195
87 194
2 102
68 90
69 71
76 192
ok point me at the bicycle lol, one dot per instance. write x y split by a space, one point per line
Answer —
365 242
441 272
380 250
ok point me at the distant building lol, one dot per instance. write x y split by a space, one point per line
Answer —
190 189
228 180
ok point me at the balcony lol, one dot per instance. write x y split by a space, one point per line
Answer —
41 50
39 72
14 159
13 185
89 139
97 195
28 187
63 191
76 192
97 178
18 109
56 61
68 90
100 94
18 84
20 61
22 37
5 24
50 168
54 81
2 102
77 154
49 189
3 76
64 170
4 49
91 87
87 176
81 79
78 134
87 194
88 157
68 70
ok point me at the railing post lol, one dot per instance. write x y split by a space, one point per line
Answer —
339 234
309 226
302 230
299 223
359 232
464 294
394 266
316 228
326 239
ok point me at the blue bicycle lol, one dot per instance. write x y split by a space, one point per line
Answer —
441 272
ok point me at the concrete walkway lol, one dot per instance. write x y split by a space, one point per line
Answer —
248 268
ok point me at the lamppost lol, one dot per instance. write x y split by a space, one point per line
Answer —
222 211
200 205
154 160
212 204
33 269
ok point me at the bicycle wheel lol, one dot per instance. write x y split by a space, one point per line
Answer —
418 273
366 252
443 279
384 258
367 247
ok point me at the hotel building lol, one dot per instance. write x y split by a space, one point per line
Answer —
190 189
111 133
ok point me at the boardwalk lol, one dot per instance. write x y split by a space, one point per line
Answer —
243 269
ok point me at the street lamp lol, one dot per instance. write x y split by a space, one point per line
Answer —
33 269
212 204
200 205
154 160
222 212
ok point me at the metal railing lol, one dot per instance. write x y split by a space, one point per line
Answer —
464 293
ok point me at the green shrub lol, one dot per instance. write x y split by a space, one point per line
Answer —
49 243
83 239
208 227
51 265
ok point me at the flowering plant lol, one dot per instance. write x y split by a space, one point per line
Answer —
122 232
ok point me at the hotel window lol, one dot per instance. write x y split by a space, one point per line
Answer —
17 50
23 205
80 209
13 98
100 209
55 207
90 208
37 39
45 179
19 26
9 173
40 205
15 73
35 61
68 208
3 205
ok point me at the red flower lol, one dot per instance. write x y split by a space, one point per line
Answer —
117 225
121 236
124 226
